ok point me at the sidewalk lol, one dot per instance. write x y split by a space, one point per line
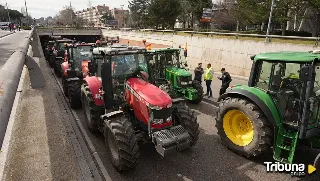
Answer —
4 33
46 143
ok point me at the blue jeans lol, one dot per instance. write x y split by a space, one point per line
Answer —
209 90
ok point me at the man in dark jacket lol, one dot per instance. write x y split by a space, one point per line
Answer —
226 79
198 71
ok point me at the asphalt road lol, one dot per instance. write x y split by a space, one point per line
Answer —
9 44
208 160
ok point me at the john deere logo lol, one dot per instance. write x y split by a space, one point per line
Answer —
293 169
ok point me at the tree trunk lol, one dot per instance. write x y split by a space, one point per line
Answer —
192 22
283 29
262 26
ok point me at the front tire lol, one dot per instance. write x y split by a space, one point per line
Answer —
186 118
197 85
91 110
243 128
121 142
57 68
74 94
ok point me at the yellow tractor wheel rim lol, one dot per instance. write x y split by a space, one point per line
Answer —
238 127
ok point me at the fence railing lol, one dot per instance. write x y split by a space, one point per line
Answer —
236 35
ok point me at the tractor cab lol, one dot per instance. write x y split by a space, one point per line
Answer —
109 41
61 46
78 57
165 66
283 90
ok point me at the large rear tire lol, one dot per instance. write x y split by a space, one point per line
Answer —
121 142
91 110
74 94
51 61
197 85
64 86
243 128
186 117
57 67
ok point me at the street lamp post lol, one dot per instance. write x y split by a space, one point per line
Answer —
25 4
8 12
270 19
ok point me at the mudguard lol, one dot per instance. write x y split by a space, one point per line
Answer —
94 86
65 67
260 98
84 67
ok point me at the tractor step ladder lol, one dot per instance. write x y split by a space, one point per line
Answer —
285 145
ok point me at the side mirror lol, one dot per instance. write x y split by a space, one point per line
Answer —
306 73
92 68
144 76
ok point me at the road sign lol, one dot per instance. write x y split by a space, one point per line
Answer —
205 20
207 13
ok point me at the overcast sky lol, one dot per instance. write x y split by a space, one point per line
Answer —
44 8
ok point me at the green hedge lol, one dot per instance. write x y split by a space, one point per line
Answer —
26 27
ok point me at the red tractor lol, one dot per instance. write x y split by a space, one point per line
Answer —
74 69
121 104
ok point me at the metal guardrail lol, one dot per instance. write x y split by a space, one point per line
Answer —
10 75
237 35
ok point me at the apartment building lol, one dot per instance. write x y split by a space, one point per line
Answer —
119 15
93 15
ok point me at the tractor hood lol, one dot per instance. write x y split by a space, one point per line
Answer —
150 93
179 71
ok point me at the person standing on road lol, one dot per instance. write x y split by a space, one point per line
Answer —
9 26
198 71
208 78
226 80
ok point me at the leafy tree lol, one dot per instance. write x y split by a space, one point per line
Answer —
164 13
315 16
15 15
185 10
105 17
139 12
249 12
197 9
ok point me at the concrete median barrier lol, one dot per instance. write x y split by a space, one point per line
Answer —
9 80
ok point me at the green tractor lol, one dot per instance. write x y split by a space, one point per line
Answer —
279 108
166 70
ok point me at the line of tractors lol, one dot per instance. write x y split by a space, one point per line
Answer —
135 94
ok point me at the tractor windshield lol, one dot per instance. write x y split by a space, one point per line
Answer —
169 58
127 64
84 49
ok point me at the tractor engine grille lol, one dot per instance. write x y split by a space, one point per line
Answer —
164 113
184 81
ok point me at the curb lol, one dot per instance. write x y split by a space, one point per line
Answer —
6 34
5 149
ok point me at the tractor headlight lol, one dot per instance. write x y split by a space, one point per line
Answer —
190 82
154 107
157 121
161 121
184 83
